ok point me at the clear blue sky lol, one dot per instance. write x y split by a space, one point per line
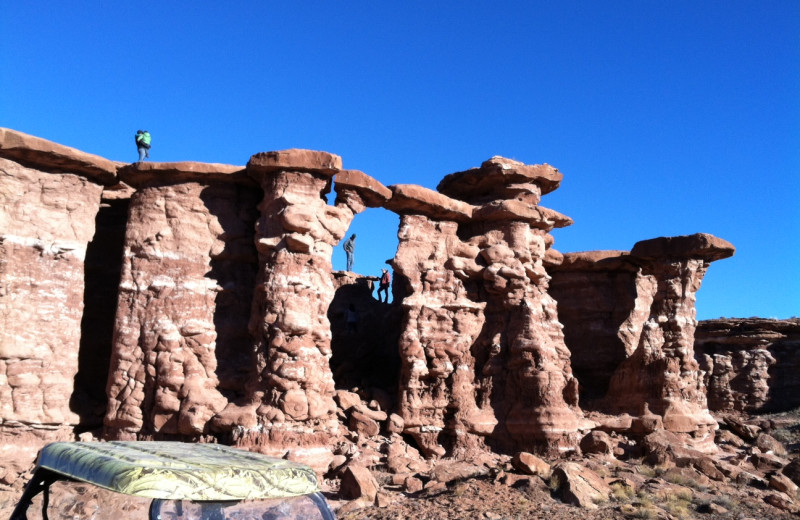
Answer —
666 118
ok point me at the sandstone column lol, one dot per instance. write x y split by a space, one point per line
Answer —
181 348
49 197
440 325
524 363
662 372
289 405
484 360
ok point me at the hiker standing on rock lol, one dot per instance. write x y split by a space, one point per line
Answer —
386 281
349 249
143 144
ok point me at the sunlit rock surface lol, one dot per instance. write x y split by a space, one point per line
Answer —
197 302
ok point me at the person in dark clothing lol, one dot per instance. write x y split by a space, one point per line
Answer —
349 249
383 285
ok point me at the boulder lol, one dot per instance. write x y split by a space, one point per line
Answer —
358 483
579 485
450 471
530 464
783 484
597 442
363 424
770 444
792 470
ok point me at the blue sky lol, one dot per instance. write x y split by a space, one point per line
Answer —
666 118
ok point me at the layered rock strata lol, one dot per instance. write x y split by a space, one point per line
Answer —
49 198
661 277
601 302
482 353
289 400
180 346
228 313
750 365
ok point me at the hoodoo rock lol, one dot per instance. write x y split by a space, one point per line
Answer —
180 345
662 371
651 333
49 198
483 357
204 297
289 403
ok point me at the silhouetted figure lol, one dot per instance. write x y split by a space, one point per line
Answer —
349 249
386 281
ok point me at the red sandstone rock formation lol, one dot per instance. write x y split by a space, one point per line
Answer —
290 398
662 371
289 401
751 365
49 196
184 298
660 278
482 351
222 328
600 302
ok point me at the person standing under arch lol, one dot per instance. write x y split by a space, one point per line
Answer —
349 249
383 285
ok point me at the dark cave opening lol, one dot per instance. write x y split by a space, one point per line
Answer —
364 352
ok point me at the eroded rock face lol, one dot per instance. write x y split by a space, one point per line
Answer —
180 345
102 270
483 357
49 197
662 371
227 305
751 365
289 402
291 396
660 278
602 302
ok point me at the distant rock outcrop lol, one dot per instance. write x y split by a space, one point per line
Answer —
750 365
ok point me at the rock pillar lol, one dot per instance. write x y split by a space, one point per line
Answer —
440 325
662 372
289 405
181 348
49 198
484 360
